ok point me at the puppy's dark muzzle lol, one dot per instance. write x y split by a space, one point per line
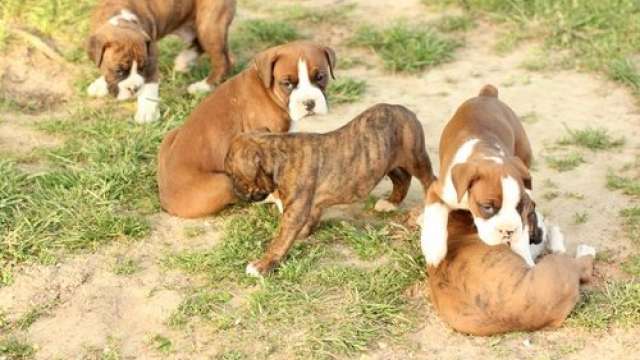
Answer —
259 196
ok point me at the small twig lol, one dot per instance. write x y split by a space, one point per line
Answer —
39 44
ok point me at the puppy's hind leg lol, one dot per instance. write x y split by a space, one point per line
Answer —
401 180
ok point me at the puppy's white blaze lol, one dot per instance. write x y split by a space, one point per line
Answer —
125 15
98 88
449 194
129 87
200 86
305 92
433 239
185 60
585 250
148 103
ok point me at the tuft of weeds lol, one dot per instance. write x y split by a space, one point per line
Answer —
162 343
625 72
629 186
591 138
455 23
192 231
406 48
14 348
126 266
205 304
617 304
580 218
346 90
632 265
631 220
333 15
530 118
566 163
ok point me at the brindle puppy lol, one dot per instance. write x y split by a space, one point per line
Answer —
311 172
485 290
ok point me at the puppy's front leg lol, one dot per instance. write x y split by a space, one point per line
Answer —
294 219
522 247
148 103
98 88
433 239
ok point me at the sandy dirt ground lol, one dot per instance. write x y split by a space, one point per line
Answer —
93 309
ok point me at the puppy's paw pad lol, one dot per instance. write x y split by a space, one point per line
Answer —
585 250
98 88
383 205
253 271
198 87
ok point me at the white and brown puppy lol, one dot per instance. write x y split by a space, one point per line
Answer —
484 160
123 46
284 84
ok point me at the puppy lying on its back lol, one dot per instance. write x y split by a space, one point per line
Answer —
485 290
313 171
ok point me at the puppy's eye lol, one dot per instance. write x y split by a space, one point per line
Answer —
287 85
320 77
122 73
487 209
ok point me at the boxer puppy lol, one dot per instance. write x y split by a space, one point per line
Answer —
484 156
314 171
285 84
486 290
123 45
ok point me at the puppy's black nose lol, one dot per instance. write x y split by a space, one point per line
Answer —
309 104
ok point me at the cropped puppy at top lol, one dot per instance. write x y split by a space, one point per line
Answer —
283 85
311 172
486 290
123 45
484 162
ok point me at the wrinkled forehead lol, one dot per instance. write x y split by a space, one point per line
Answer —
288 59
499 187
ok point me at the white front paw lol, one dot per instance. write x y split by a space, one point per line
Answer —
251 270
434 245
148 110
383 205
585 250
98 88
200 86
521 247
556 240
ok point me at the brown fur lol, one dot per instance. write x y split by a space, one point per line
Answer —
311 172
486 290
191 158
116 47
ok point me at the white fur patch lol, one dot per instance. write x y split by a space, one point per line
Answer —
274 199
585 250
556 240
506 225
251 270
200 86
185 60
98 88
305 94
382 205
449 194
433 239
125 15
521 247
495 159
129 87
148 104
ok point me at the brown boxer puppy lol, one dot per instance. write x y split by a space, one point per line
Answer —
313 171
285 84
485 290
484 159
123 45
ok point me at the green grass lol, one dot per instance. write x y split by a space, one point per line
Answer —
162 343
406 48
15 349
332 15
625 71
632 265
192 231
566 163
580 218
460 23
631 220
617 304
126 266
591 138
629 186
335 306
346 90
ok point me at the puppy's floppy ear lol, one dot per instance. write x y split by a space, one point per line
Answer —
331 58
523 172
264 63
95 48
462 176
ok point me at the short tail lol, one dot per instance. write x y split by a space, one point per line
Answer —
489 90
